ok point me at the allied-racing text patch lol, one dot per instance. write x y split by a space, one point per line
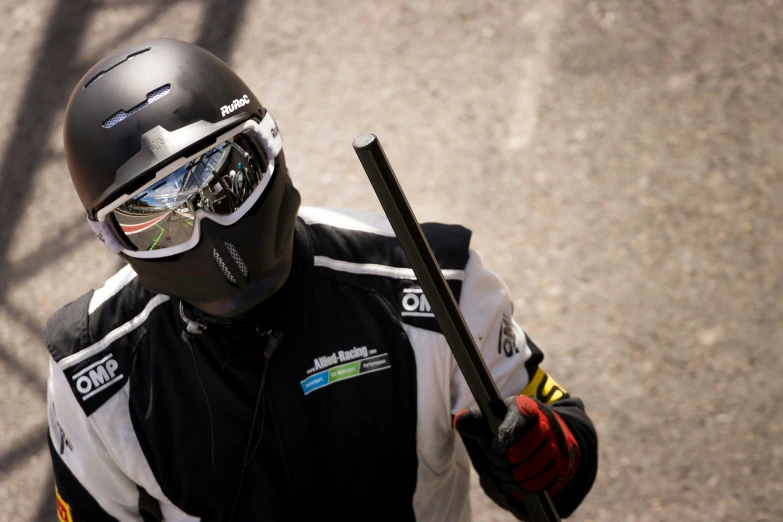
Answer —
342 365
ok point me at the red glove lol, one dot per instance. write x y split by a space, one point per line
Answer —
533 450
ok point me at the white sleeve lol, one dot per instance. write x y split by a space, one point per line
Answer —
487 307
83 451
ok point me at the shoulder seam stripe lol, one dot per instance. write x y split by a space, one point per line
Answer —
380 270
115 334
112 286
343 219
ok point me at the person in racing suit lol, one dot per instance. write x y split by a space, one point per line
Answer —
266 361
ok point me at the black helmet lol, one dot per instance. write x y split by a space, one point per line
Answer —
165 113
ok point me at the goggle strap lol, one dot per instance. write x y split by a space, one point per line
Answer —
269 136
106 235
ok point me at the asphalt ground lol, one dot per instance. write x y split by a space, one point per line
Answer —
618 162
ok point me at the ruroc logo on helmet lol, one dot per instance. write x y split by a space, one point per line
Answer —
225 110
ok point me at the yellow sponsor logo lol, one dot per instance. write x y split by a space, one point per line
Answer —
63 509
544 388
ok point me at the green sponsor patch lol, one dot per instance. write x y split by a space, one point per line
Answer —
344 371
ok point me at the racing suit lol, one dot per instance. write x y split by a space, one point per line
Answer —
334 403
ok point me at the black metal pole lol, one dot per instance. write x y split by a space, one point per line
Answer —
444 306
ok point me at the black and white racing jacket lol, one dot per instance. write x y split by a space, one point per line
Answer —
149 422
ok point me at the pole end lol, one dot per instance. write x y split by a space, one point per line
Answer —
364 141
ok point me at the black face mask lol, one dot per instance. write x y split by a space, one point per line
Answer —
279 312
235 267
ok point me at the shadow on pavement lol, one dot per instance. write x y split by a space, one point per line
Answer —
56 68
46 511
23 155
23 372
69 236
31 443
220 26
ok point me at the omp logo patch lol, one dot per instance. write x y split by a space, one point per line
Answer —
415 304
511 336
63 509
413 307
96 377
544 388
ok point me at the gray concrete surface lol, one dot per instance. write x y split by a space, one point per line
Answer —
619 162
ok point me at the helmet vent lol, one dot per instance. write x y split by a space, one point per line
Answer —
152 97
101 73
235 256
222 264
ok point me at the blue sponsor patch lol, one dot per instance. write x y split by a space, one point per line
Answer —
315 381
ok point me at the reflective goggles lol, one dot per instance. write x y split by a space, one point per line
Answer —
221 182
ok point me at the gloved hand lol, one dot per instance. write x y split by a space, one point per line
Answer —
533 451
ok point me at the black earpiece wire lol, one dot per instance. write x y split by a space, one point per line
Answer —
186 338
275 338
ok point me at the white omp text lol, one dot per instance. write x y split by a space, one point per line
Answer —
415 303
225 110
97 376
